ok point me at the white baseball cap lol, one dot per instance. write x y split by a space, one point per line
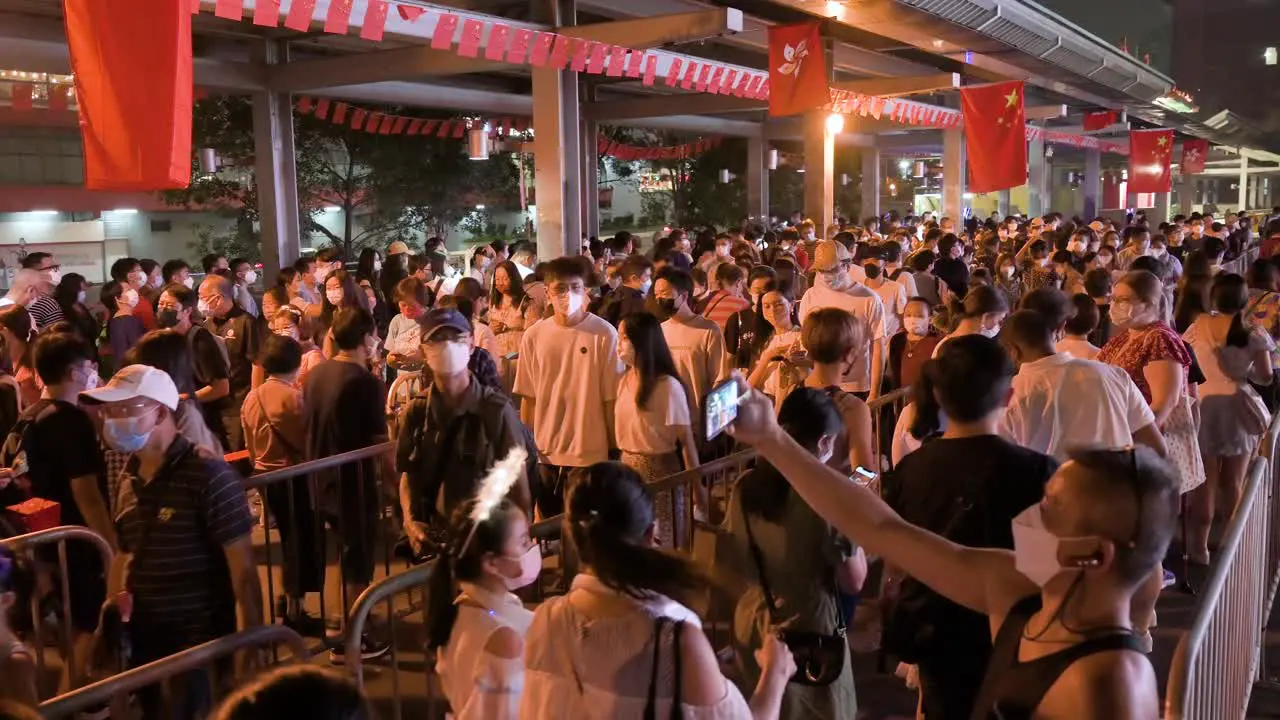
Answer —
136 381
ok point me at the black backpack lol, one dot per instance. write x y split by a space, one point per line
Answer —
465 452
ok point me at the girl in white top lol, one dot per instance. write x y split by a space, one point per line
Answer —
474 623
981 312
610 647
778 377
482 335
1076 340
651 415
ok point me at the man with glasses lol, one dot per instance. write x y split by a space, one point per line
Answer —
834 288
242 336
209 357
452 432
43 308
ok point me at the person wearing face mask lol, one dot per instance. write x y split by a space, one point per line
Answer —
177 272
124 328
242 337
652 417
477 626
128 273
155 280
243 276
776 542
567 381
291 323
1137 241
404 338
1007 279
696 343
1038 269
482 263
207 542
71 295
774 373
834 288
892 295
727 299
981 313
633 294
208 355
435 436
1059 605
44 308
64 465
833 339
914 345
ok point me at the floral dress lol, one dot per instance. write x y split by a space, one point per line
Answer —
1132 351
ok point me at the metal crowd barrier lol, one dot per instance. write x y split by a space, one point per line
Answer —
165 670
1217 660
59 535
296 499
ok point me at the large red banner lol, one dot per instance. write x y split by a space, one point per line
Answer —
797 69
132 66
1150 153
995 127
1194 152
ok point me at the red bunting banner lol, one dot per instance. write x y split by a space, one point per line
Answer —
20 95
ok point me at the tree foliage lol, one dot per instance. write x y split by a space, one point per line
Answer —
387 187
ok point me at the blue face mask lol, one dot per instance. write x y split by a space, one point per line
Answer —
122 436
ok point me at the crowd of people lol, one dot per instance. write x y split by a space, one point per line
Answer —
1076 388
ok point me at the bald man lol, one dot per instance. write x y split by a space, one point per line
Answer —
242 336
1059 604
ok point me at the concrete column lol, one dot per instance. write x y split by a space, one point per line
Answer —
1186 193
953 175
1161 212
819 163
758 179
557 143
870 183
274 168
1004 199
1037 178
1242 200
590 172
1091 184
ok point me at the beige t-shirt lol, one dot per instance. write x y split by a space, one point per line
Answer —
697 347
571 373
653 430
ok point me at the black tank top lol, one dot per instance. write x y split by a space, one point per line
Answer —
1012 690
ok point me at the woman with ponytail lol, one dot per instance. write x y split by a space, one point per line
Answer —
475 624
623 644
1231 356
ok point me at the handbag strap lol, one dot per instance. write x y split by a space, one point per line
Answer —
651 703
758 558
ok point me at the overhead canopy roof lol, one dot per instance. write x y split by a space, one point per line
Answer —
886 47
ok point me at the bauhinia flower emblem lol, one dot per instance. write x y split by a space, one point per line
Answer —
794 56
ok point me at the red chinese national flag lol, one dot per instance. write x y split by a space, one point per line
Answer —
1100 120
1194 152
797 69
995 126
133 79
1150 152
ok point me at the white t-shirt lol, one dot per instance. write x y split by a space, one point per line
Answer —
865 305
894 297
653 430
482 336
571 374
906 280
524 271
1078 347
1060 403
697 347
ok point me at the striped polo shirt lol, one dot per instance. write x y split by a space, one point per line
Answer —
195 507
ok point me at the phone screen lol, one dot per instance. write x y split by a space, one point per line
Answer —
862 476
721 408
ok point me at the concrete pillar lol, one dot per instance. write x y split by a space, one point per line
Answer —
758 179
1037 178
1186 193
1243 198
1161 212
953 175
1091 183
870 183
275 170
590 172
557 143
1004 200
819 163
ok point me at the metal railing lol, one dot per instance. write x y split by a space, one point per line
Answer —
59 535
1216 661
165 670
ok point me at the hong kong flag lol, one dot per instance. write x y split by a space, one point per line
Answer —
1194 151
995 126
797 69
1150 152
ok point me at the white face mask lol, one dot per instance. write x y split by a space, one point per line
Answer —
129 297
448 358
627 353
646 286
916 326
53 276
569 304
334 295
530 565
722 251
202 306
1104 260
1044 261
189 281
377 265
1035 549
80 296
1158 253
250 277
810 236
1007 271
1122 313
1075 247
992 331
137 278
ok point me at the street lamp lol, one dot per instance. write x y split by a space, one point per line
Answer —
835 123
